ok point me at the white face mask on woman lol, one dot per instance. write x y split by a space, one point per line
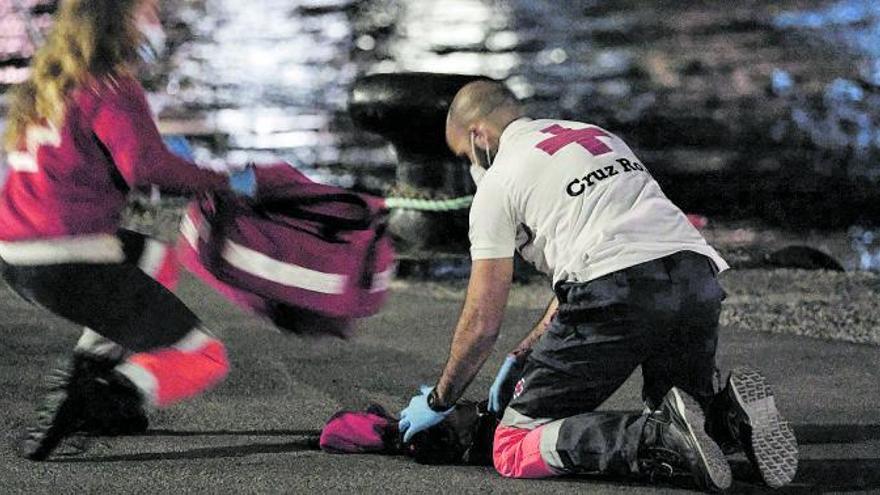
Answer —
154 42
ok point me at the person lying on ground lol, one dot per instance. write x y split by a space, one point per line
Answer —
462 438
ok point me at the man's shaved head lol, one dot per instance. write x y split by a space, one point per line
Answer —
478 100
483 106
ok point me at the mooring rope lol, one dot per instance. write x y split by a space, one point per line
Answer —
450 204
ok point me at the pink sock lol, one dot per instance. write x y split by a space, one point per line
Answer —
172 374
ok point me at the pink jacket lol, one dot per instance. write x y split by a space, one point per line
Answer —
73 181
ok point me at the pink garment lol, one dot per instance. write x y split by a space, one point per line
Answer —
74 180
517 453
168 273
698 221
357 432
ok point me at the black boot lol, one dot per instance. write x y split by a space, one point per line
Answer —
744 418
83 395
59 414
125 415
114 406
674 444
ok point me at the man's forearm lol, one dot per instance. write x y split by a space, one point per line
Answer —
471 346
477 328
525 346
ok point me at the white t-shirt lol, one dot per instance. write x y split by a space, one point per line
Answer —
576 202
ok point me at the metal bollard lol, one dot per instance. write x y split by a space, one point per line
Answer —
409 110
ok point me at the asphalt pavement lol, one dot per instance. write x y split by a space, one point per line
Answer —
256 433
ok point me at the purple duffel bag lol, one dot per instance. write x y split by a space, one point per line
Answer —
298 248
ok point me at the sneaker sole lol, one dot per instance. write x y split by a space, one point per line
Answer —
769 441
716 473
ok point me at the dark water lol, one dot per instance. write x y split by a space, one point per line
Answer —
275 79
272 76
697 89
775 100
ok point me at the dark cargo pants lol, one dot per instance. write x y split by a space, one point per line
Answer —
117 301
661 315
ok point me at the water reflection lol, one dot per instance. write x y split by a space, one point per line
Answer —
847 117
685 81
274 77
268 75
448 37
865 243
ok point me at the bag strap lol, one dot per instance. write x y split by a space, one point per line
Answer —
369 269
299 208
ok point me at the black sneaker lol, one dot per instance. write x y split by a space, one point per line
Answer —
747 414
675 444
58 416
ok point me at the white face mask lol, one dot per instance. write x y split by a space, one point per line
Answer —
478 170
154 42
477 173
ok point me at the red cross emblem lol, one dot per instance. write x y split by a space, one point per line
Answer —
563 136
518 388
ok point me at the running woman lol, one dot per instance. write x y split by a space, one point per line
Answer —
80 137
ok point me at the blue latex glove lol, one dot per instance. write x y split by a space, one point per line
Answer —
244 182
497 388
418 416
179 145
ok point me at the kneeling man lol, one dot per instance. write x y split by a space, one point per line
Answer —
635 285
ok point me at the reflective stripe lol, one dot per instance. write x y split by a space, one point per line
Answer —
260 265
95 344
549 436
37 136
22 162
190 232
194 340
382 281
515 419
152 257
99 248
144 380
